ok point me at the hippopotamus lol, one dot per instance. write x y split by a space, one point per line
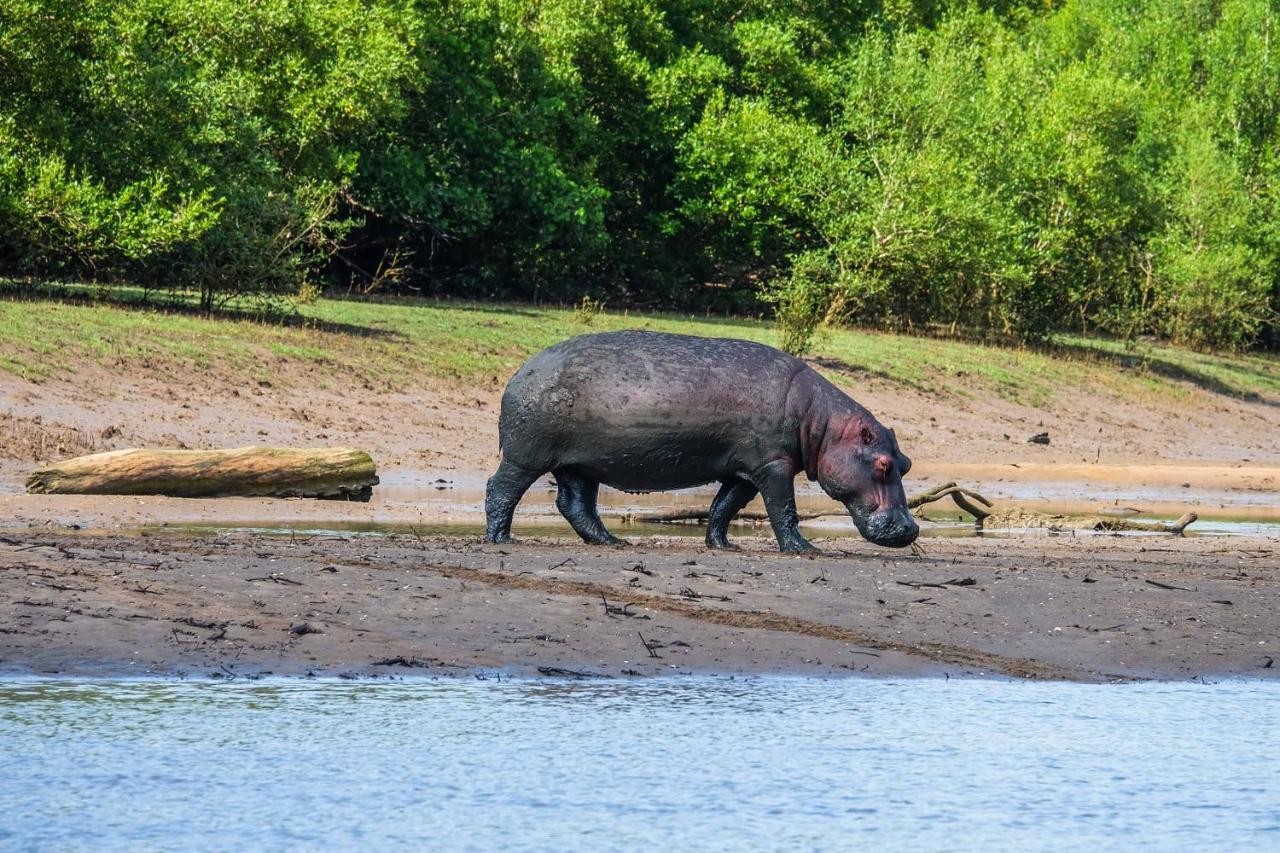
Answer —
646 411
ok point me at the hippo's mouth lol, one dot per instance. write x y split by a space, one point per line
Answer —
892 528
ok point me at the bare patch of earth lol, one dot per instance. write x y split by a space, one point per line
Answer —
439 430
1089 608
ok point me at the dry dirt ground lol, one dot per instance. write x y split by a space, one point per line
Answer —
438 430
235 605
1088 607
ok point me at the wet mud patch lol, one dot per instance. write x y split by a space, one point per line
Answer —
1083 608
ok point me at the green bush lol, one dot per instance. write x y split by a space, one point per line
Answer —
1003 168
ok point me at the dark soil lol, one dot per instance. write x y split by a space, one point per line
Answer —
1089 607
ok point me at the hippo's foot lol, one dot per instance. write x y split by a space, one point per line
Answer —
798 545
499 539
604 538
720 543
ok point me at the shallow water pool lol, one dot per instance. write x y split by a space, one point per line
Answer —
699 763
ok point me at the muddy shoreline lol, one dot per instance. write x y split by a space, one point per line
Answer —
152 586
1091 608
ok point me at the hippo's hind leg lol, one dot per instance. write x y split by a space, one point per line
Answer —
577 503
503 492
776 482
733 496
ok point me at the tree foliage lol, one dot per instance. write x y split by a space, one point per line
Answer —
1007 168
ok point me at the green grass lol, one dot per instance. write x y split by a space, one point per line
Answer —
393 344
1240 374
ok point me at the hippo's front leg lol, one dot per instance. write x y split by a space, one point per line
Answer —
776 482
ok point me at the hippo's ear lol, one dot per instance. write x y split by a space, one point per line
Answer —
867 436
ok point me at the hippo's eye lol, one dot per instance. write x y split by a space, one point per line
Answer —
868 437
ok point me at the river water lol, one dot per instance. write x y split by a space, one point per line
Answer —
700 763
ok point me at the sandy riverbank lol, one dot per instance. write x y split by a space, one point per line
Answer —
144 585
1084 607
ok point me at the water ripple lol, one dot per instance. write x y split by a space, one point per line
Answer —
703 763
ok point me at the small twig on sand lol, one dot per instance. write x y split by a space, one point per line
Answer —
58 586
557 672
401 660
943 585
647 646
614 610
275 578
693 595
208 624
1159 585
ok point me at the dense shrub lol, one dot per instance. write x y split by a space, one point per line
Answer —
1008 168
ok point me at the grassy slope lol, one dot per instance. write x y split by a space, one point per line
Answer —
392 344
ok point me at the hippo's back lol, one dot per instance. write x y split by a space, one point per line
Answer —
645 410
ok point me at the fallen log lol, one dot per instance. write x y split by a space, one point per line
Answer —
1017 517
339 473
983 511
1180 525
1177 528
701 515
960 495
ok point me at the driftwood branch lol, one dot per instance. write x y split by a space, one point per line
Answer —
968 501
701 515
340 473
964 498
1121 525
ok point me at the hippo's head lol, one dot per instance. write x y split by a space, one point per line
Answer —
862 467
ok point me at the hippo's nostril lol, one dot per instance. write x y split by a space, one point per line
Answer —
882 465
